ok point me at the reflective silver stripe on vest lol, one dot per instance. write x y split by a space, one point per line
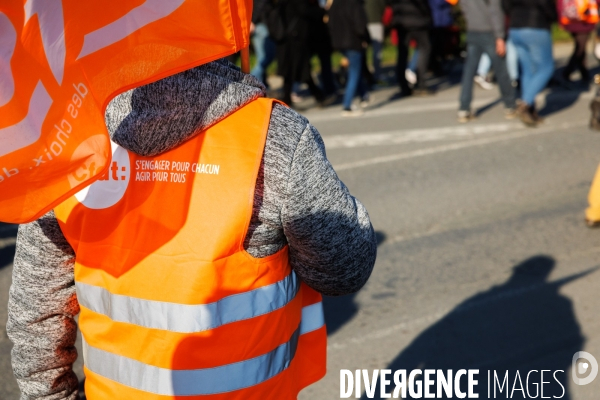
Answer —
185 318
312 318
226 378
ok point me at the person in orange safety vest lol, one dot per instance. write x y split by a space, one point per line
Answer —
197 262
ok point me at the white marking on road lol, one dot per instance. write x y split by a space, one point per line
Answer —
453 146
417 135
412 106
396 109
4 243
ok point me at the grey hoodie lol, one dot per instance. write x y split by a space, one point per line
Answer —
298 201
484 16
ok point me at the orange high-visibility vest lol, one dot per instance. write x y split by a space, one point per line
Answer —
579 11
171 303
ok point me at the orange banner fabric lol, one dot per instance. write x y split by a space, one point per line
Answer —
62 61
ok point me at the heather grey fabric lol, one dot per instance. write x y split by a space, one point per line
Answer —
41 309
298 200
484 16
154 118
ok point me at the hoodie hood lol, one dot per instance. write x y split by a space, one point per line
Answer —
157 117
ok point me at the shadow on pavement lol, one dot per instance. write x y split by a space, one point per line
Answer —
340 310
8 236
521 325
563 95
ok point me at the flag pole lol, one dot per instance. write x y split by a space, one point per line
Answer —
245 54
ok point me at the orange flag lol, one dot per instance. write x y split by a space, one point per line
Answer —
62 61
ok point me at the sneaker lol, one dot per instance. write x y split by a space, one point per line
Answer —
482 82
365 101
410 76
536 116
526 116
296 98
465 116
401 94
352 112
510 113
405 92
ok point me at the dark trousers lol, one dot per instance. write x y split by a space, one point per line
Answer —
323 52
477 44
424 47
577 60
438 50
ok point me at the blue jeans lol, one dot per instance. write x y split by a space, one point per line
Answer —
264 48
534 47
355 83
412 64
477 44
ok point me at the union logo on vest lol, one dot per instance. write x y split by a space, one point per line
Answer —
111 187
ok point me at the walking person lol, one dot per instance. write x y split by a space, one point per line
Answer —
264 47
530 22
412 20
375 10
206 285
349 35
441 13
291 19
319 42
579 19
485 34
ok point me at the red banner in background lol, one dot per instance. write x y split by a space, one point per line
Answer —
62 61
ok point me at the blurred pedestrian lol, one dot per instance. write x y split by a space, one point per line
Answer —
375 10
264 47
485 34
578 17
319 42
412 20
289 24
442 20
592 213
530 23
349 34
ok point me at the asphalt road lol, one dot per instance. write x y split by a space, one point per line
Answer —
484 261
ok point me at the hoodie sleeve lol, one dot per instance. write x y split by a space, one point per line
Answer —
41 309
332 243
497 17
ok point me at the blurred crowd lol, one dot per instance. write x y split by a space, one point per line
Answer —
512 38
